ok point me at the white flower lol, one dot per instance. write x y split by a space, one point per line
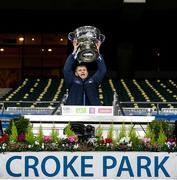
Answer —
4 146
127 139
129 144
36 143
76 146
122 140
64 136
92 140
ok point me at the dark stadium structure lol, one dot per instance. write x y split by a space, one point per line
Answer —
139 51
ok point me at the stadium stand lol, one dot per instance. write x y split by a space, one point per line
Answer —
134 95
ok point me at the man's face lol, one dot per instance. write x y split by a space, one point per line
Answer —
82 72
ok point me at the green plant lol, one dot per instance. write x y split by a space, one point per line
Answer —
68 131
162 137
150 134
148 131
14 134
40 136
110 131
158 131
21 124
29 135
99 132
54 134
122 132
156 125
133 138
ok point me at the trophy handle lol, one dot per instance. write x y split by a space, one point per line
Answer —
71 36
102 38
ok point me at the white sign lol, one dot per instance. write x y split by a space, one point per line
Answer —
85 118
134 1
88 165
87 110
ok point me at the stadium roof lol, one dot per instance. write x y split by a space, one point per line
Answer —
148 26
55 15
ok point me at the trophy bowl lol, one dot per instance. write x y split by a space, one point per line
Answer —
87 37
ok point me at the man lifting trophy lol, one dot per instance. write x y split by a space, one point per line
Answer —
83 88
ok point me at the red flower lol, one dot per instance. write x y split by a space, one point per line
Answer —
4 138
47 138
102 141
108 140
171 140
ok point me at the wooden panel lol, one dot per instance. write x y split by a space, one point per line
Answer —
10 57
9 78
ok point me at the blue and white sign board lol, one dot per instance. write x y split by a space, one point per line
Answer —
5 118
88 165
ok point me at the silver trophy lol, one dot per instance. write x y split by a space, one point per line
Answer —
87 37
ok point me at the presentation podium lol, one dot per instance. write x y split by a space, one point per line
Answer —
84 165
94 115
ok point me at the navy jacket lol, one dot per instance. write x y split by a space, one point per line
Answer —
83 92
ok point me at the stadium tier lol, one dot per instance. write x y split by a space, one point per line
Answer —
134 93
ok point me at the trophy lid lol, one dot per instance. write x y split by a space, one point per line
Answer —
86 31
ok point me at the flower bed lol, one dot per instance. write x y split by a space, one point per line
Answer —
19 137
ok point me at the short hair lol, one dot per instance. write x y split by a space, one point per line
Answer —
82 64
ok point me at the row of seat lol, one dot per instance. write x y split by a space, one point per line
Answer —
134 93
36 92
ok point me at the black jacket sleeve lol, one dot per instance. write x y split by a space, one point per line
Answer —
67 71
101 70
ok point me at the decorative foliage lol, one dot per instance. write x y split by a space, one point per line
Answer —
155 139
110 131
157 133
67 130
40 136
122 132
162 138
54 134
14 134
157 125
29 135
21 124
99 132
150 136
134 138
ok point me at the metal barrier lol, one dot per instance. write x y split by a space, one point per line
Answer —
9 107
